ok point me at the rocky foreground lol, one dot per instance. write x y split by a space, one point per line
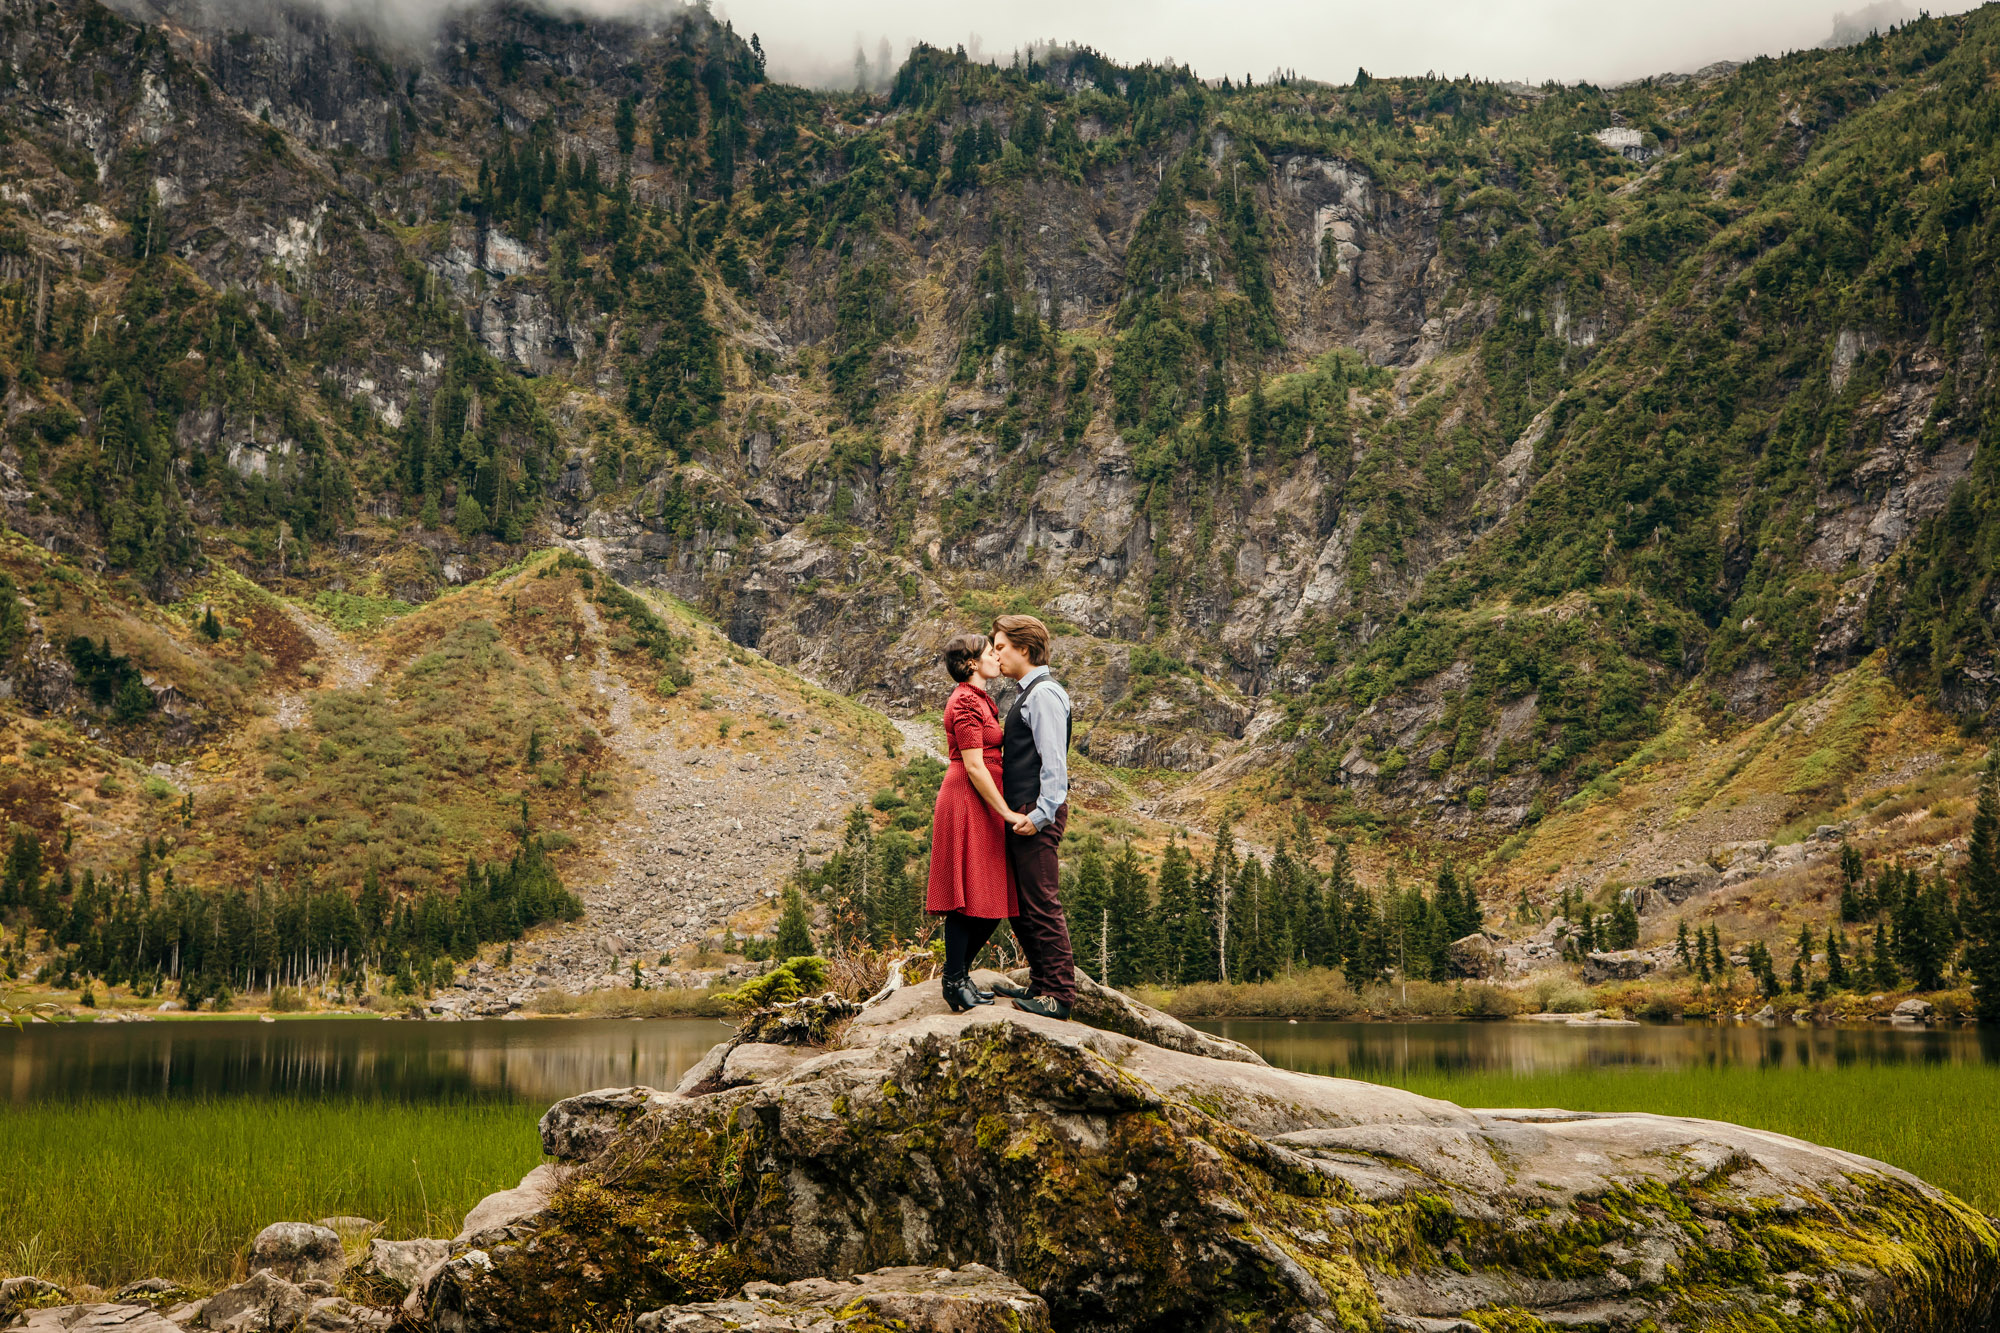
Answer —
997 1171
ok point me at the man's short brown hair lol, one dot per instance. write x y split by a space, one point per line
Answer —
1028 634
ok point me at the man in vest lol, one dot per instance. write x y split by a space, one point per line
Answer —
1035 784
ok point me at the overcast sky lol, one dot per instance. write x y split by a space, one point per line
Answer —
1602 41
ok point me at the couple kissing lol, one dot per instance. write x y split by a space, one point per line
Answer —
1001 812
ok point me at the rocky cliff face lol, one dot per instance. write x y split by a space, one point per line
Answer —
1400 436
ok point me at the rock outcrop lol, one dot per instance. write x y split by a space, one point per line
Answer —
1131 1186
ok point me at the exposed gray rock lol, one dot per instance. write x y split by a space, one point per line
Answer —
350 1228
509 1206
298 1251
126 1317
706 1071
760 1062
972 1299
1618 965
1101 1007
258 1305
1474 956
1913 1010
1132 1186
403 1263
1689 879
336 1314
578 1128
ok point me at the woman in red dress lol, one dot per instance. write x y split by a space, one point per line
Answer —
972 884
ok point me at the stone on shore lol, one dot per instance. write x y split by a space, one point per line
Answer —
298 1252
1618 965
125 1317
1132 1186
972 1299
402 1264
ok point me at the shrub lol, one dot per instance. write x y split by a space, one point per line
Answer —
790 980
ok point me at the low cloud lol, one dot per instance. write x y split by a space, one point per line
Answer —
845 43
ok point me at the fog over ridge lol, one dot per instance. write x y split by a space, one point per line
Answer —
850 43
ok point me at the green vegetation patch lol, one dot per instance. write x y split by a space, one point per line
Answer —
106 1192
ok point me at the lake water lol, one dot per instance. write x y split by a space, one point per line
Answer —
543 1060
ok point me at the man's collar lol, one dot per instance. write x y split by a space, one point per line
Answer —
1033 672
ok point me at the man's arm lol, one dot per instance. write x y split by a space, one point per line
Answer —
1048 720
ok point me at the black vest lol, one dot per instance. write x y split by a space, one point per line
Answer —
1020 761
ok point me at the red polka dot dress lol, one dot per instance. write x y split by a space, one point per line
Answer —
969 869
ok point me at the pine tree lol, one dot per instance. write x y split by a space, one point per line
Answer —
1927 933
1802 959
1335 944
1253 946
1459 904
1368 957
1182 930
1681 949
795 938
1130 906
1886 974
1836 968
1216 887
1623 931
1979 895
1086 901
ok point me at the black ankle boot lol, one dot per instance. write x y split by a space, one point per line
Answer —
1011 991
959 994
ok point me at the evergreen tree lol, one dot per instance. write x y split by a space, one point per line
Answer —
1926 933
1368 958
1297 910
795 939
1459 904
1623 930
1979 895
1182 930
1216 887
1334 945
1131 907
1886 975
1681 949
1087 903
1836 967
1253 924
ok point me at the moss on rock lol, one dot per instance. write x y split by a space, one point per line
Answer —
1127 1186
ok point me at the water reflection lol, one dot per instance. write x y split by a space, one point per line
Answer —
541 1061
1363 1050
528 1061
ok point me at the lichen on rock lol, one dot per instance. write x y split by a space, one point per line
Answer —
1135 1187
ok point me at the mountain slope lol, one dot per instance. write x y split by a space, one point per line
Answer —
1421 440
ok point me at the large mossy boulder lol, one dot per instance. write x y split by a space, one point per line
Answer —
1135 1187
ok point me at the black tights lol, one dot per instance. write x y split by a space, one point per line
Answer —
964 937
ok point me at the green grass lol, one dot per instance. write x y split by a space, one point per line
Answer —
353 611
105 1192
110 1191
1939 1122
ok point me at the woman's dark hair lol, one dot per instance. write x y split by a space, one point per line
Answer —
961 652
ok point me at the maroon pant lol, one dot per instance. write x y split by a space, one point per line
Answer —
1041 927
